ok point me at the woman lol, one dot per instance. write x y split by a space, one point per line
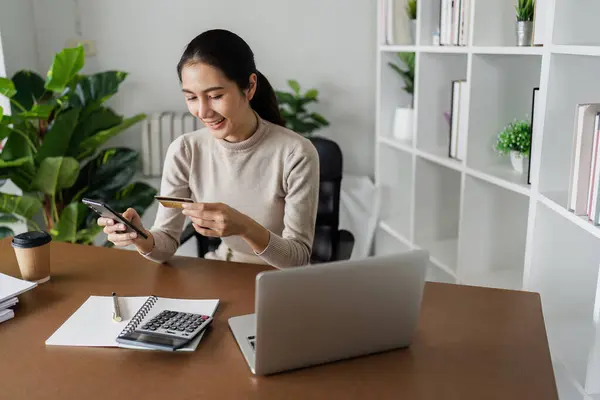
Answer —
255 183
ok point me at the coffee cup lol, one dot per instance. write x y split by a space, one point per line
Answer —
33 255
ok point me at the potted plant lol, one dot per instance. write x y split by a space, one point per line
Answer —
403 116
292 106
525 13
411 12
53 149
515 140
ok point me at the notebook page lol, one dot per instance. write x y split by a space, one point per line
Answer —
92 324
11 287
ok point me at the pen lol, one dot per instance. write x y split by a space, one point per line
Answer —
117 311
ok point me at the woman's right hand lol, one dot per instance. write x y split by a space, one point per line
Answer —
116 234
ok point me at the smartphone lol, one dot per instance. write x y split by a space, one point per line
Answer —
104 210
173 202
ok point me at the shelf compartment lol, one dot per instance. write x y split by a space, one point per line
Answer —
495 23
576 22
389 242
501 91
392 95
493 231
566 89
434 82
565 271
396 182
437 198
386 243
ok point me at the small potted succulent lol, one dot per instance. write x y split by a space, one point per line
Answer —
515 140
525 14
411 12
403 116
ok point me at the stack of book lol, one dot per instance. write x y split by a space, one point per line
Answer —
454 22
10 288
458 120
584 181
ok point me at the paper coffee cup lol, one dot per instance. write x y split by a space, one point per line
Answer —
33 255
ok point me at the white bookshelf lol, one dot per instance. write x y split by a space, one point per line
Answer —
482 223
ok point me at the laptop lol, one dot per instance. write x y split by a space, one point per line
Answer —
315 314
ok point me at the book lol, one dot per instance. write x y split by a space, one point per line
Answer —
11 287
9 303
5 315
91 325
533 104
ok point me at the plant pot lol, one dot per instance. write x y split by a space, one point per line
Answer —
413 30
519 161
403 124
524 33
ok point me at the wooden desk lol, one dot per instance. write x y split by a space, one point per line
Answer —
472 343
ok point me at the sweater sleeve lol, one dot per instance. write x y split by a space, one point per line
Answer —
294 246
169 222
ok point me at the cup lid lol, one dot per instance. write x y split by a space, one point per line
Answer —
31 239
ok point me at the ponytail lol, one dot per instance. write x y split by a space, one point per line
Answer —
264 101
231 54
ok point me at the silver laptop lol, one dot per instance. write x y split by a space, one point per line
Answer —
322 313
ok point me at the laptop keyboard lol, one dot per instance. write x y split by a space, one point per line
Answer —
252 340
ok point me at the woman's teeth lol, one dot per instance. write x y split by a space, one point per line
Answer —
216 122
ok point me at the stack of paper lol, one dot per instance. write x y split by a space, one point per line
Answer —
10 288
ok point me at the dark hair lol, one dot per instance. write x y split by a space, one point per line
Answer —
231 54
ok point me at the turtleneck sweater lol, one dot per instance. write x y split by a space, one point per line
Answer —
272 177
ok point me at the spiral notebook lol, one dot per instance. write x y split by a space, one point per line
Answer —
92 325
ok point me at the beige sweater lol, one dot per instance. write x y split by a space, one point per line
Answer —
273 177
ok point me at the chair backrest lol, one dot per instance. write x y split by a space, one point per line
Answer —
327 235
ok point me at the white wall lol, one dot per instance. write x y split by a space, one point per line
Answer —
326 44
18 36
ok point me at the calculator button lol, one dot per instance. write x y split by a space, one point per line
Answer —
190 330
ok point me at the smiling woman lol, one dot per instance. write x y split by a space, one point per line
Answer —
254 183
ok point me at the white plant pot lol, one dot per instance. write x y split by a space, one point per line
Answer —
519 162
403 124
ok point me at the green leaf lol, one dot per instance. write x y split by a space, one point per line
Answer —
311 94
17 148
283 97
137 195
1 113
8 219
6 232
87 235
105 174
65 67
56 173
15 163
102 137
320 119
100 119
56 141
71 218
7 87
38 111
91 91
30 88
294 85
25 206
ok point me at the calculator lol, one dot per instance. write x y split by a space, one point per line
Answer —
178 324
169 330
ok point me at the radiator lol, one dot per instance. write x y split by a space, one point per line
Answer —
158 131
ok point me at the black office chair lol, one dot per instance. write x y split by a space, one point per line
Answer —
330 243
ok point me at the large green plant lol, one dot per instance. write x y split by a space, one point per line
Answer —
292 106
53 149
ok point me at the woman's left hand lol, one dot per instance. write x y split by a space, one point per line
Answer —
216 219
